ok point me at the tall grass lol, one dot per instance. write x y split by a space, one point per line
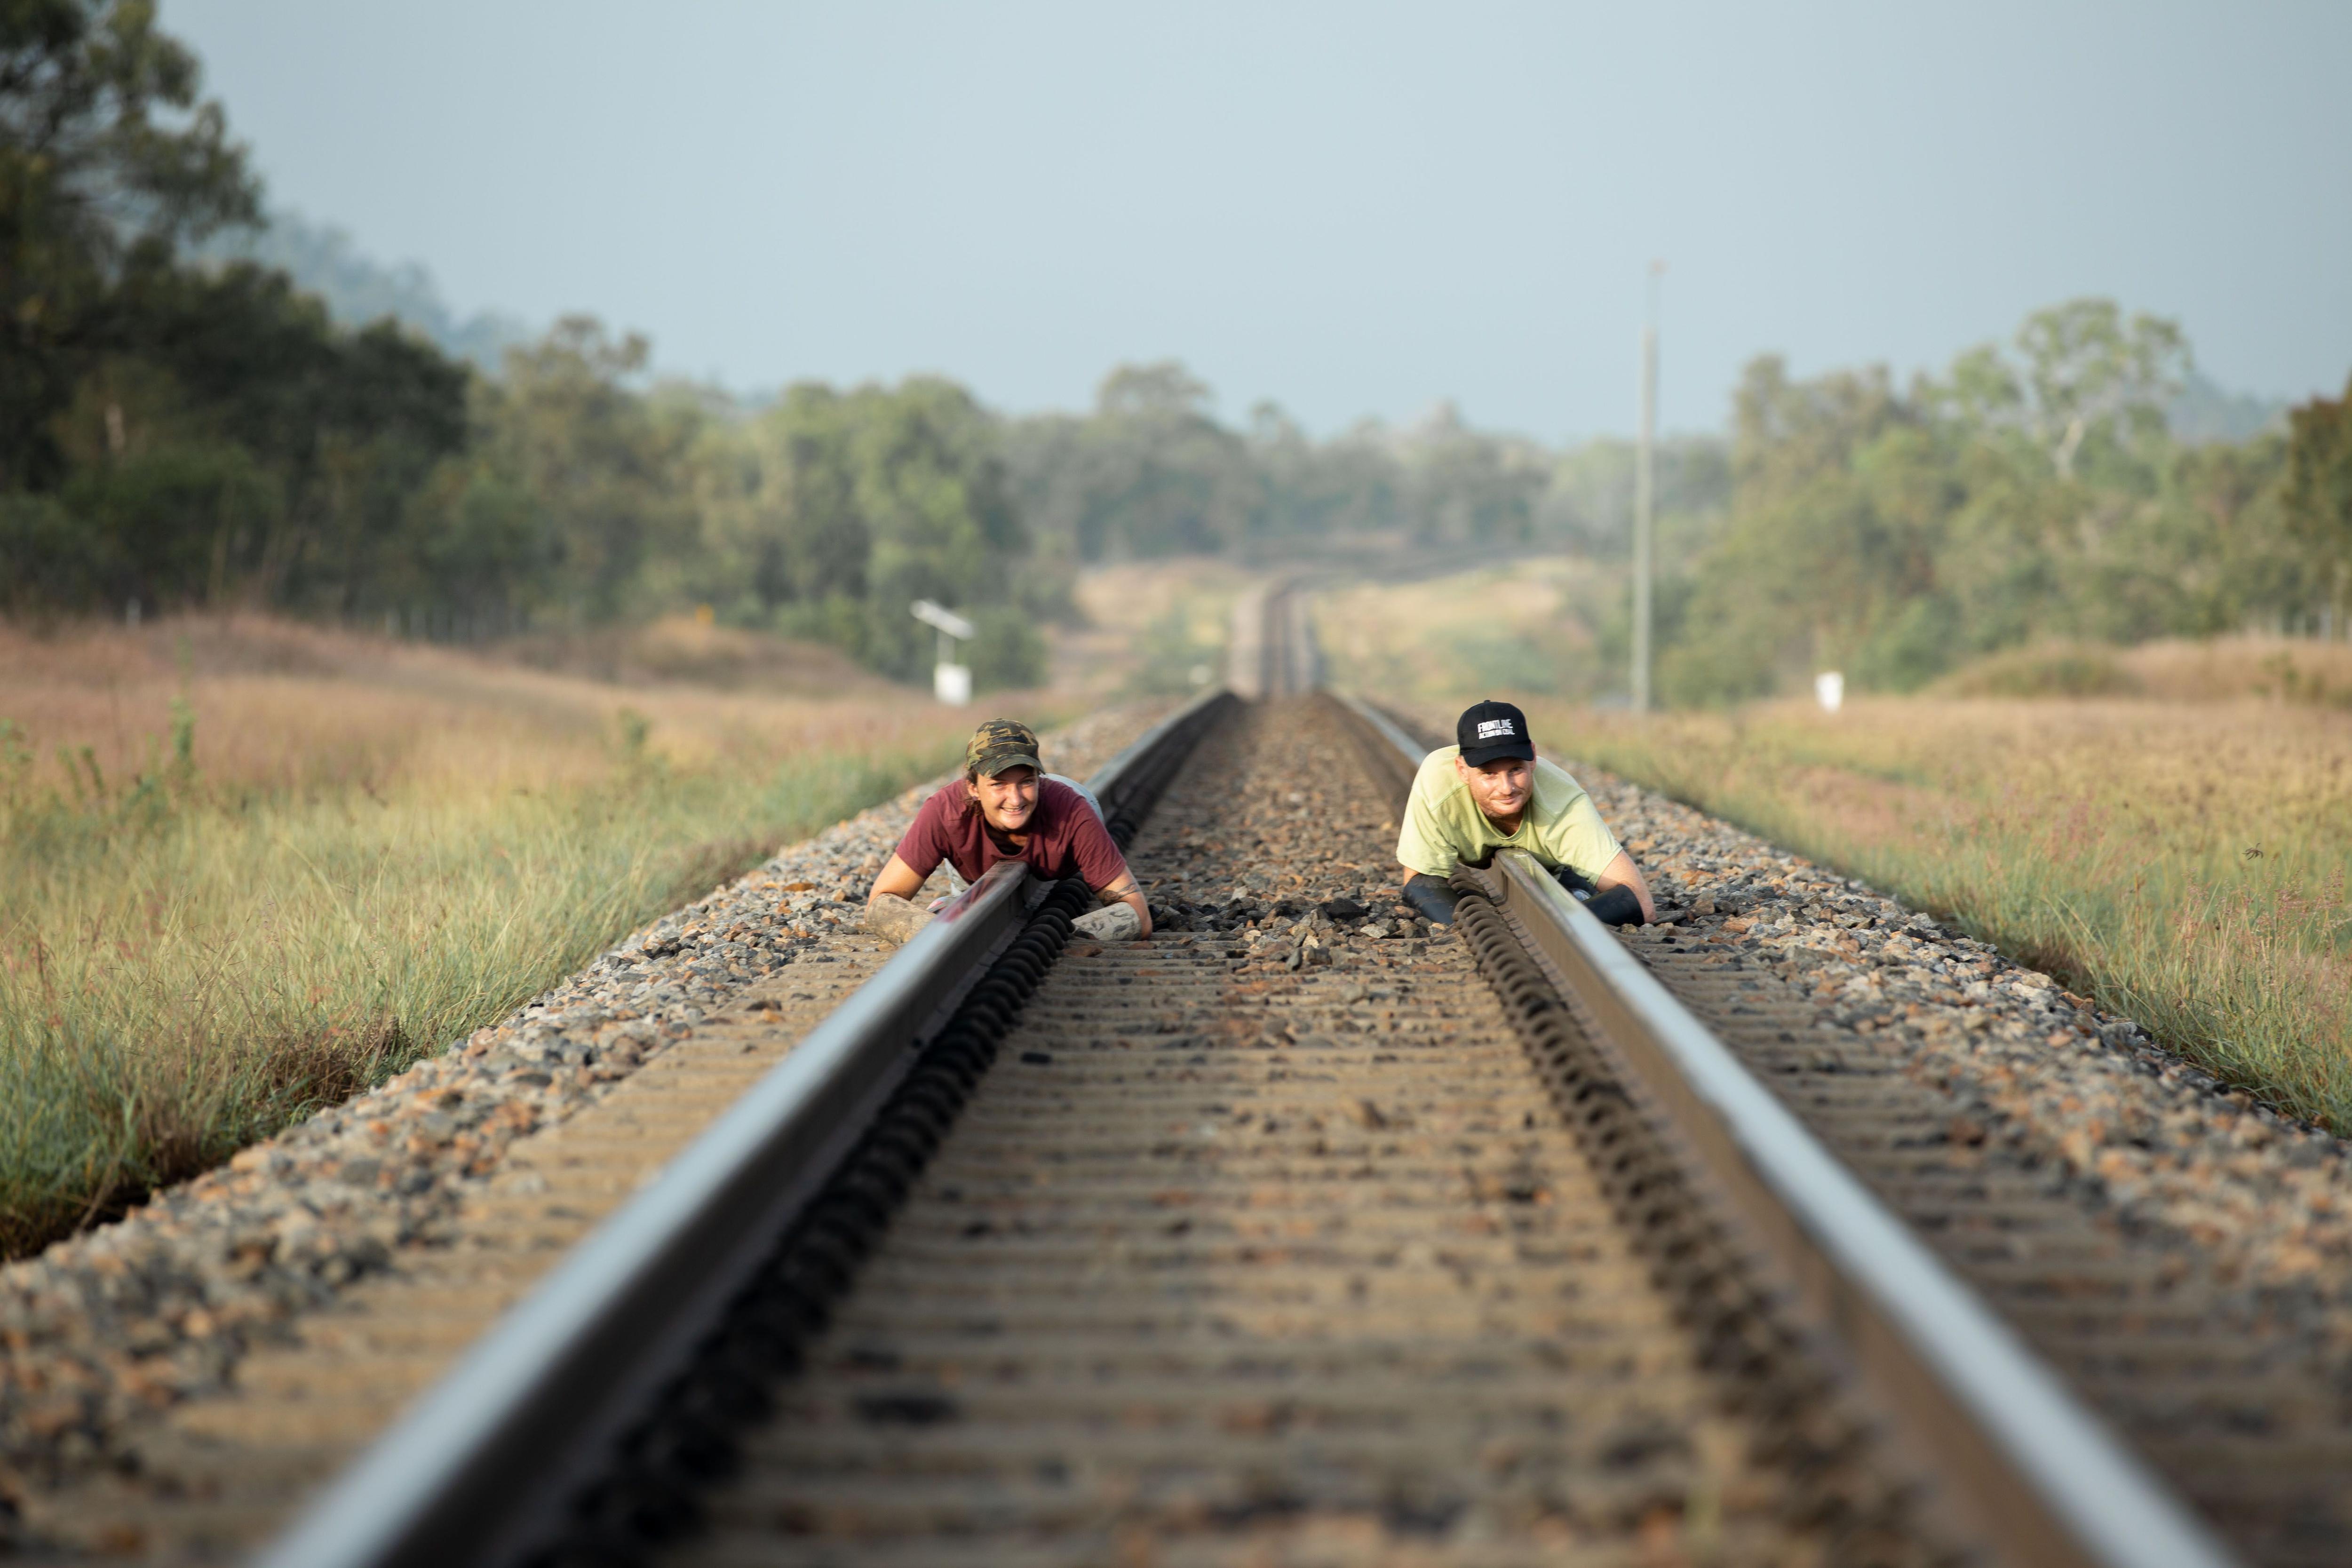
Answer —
2185 863
1511 627
2179 852
192 954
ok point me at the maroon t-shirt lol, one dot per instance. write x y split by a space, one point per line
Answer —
1065 837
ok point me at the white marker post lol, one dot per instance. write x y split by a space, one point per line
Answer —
1828 690
950 681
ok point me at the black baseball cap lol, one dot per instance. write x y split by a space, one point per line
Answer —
1490 729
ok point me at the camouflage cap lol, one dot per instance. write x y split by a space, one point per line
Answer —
999 745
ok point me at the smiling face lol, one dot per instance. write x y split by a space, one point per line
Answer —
1501 788
1009 799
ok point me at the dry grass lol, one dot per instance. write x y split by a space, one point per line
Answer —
2175 669
1514 628
1147 625
688 649
291 707
2184 863
362 850
2295 670
2175 844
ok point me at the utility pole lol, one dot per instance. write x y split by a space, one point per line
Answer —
1645 495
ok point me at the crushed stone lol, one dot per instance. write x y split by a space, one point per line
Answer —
101 1330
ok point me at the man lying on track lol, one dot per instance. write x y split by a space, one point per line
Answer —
1490 791
1009 808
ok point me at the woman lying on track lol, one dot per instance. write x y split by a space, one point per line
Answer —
1009 808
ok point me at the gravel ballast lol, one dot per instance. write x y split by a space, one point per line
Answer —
100 1332
2158 1139
2173 1249
103 1331
2154 1138
2176 1251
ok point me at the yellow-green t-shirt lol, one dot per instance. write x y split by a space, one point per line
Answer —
1560 826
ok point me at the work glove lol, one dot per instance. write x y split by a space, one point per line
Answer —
1578 884
895 920
1112 922
1617 906
1432 899
1620 906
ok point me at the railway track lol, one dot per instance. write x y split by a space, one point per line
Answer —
1299 1232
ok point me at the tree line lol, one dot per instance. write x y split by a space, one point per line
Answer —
2033 491
181 426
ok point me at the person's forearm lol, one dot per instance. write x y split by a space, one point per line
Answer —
1142 908
897 879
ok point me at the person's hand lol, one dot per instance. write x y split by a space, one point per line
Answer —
895 920
1112 922
1616 906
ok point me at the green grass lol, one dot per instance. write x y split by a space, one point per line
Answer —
185 969
2166 827
2184 864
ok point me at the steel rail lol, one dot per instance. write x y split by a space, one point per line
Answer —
484 1463
1290 643
1272 650
2041 1476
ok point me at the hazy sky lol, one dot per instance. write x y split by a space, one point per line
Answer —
1353 209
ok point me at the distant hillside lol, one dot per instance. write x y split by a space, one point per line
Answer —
357 289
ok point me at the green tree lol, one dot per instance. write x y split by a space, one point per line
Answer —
182 522
2235 491
2315 496
830 514
478 545
2021 496
1587 499
2080 370
1009 652
929 485
207 431
233 376
1838 500
348 425
1147 473
49 557
2091 369
1316 489
108 159
1463 487
604 477
777 495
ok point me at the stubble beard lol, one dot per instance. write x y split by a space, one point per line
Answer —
1498 809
